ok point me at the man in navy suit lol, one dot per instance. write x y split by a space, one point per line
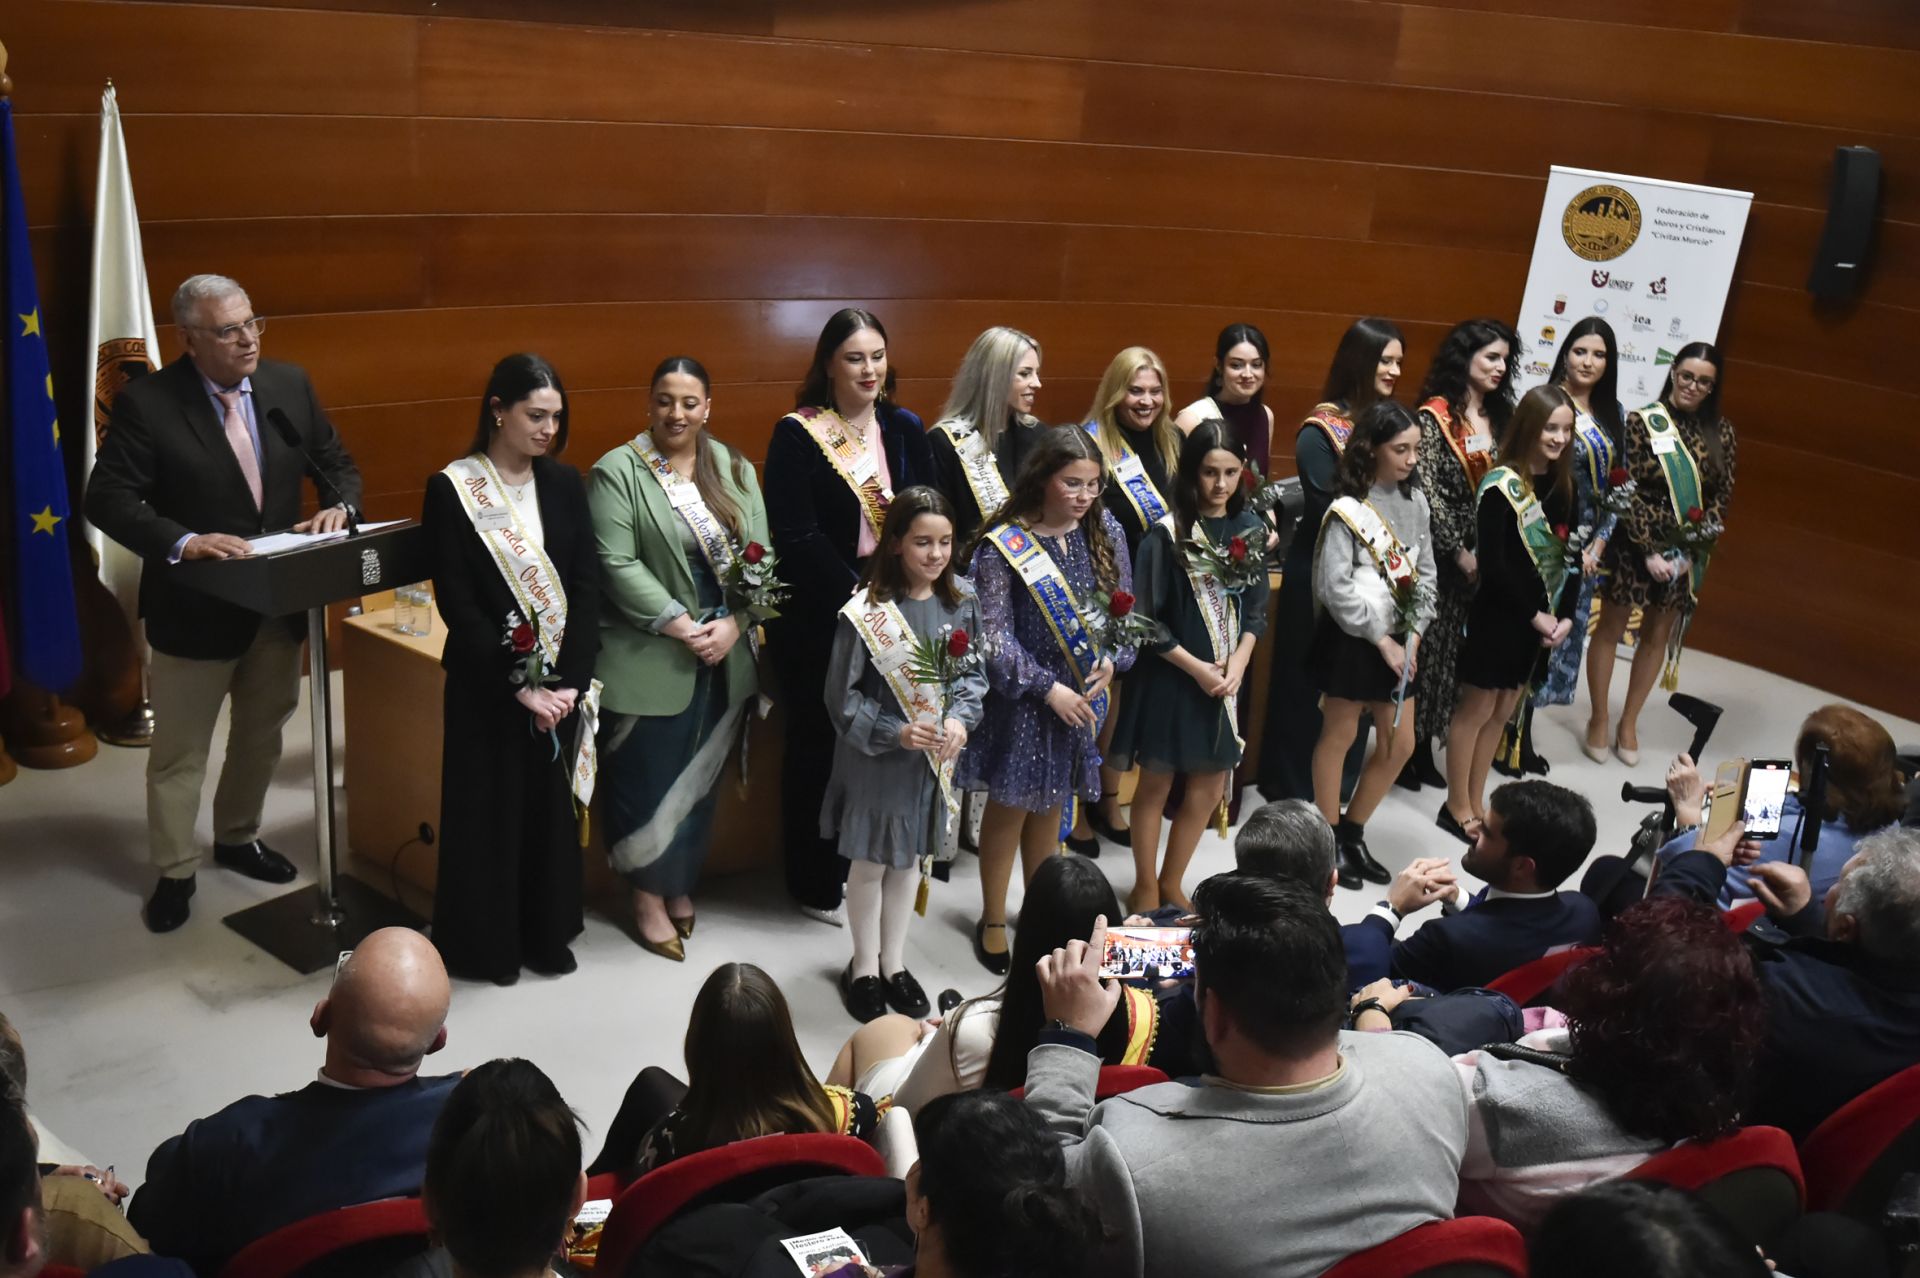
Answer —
199 457
357 1133
1536 834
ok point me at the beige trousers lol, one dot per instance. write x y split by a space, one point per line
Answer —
264 682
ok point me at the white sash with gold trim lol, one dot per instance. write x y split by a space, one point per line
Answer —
977 463
890 642
684 496
1393 557
532 581
1220 612
847 452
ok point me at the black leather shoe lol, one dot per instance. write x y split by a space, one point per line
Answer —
554 964
1532 763
1111 833
167 908
905 996
1409 778
1089 848
949 999
1425 768
865 996
1350 874
255 860
995 963
1451 824
1353 852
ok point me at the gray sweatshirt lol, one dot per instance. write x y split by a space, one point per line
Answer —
1348 584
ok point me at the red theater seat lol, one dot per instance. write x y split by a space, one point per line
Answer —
399 1223
1115 1080
1742 916
1470 1247
1526 983
1752 1178
1852 1159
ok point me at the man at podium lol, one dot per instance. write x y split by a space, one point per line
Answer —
198 457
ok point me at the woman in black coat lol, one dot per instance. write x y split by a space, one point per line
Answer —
508 893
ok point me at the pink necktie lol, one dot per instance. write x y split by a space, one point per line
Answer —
241 442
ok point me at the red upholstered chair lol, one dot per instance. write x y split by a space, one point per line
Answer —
378 1234
1852 1159
739 1170
1115 1080
62 1271
1526 983
1752 1178
1742 916
1470 1247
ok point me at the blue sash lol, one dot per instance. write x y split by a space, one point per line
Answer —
1130 474
1600 454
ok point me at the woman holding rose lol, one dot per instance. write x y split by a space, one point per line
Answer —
515 580
672 512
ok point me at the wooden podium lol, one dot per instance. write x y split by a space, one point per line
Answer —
307 928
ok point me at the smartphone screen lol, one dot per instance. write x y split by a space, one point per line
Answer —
1148 953
1766 795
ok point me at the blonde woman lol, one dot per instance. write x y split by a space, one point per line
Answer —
987 425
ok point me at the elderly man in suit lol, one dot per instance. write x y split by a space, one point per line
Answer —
198 457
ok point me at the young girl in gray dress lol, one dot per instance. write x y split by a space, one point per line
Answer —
885 803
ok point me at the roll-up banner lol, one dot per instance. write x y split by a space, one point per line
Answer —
1653 258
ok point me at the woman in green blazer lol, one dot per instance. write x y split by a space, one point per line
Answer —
671 509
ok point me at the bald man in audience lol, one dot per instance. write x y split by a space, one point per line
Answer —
356 1133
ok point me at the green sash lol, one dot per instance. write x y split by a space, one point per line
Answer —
1683 482
1544 546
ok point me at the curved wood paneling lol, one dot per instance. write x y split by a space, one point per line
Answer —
411 188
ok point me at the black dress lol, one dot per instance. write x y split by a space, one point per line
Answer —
1141 441
1502 647
509 877
950 477
814 520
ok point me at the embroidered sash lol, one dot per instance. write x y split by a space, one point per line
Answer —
1143 1024
847 452
1393 557
1030 562
1220 612
1473 452
1683 482
684 496
1336 425
1596 450
531 580
1548 551
1131 478
977 463
890 642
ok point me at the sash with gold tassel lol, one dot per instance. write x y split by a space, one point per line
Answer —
1220 612
1684 492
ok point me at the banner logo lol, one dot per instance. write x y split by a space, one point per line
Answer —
121 359
1601 223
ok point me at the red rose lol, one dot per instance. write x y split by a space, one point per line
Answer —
1560 531
1404 582
754 552
1237 549
1617 476
1695 514
1120 604
523 638
957 643
1248 480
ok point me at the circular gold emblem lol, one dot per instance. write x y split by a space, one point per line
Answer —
1601 223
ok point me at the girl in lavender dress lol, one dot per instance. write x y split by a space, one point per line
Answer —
1036 748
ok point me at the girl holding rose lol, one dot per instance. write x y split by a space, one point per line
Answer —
515 579
1680 457
903 689
1205 578
672 511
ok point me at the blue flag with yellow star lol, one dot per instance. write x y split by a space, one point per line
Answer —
46 627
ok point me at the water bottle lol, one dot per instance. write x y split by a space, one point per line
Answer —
403 610
422 609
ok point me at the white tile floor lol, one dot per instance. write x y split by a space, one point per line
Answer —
130 1035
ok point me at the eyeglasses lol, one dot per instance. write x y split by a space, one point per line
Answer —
1074 487
1688 379
231 333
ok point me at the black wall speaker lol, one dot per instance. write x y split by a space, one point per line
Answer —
1853 211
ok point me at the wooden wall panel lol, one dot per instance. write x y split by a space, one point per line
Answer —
413 188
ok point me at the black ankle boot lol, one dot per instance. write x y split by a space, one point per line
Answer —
1425 768
1354 857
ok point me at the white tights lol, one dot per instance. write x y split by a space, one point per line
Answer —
879 907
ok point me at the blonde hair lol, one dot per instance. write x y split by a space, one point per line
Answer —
983 386
1107 398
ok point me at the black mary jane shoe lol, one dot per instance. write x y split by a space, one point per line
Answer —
905 996
995 963
865 996
949 999
1451 824
1108 831
1089 848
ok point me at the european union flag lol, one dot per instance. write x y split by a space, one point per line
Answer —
47 628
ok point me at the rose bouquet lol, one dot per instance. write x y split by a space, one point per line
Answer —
1693 535
1617 497
1575 541
1114 624
752 582
942 660
1411 597
1237 566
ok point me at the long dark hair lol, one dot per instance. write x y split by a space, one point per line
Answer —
1638 1227
1057 448
513 379
817 390
1376 426
1231 336
1203 439
1709 410
1066 895
1604 399
1447 375
706 470
1528 424
886 576
995 1181
1352 377
745 1074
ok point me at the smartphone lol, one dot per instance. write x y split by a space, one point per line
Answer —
1148 953
1763 794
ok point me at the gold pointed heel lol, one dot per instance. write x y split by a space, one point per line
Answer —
671 948
683 926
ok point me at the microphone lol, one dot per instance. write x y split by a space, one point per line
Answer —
284 428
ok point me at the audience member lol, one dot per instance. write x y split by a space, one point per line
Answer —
745 1078
22 1236
1290 839
1647 1230
503 1179
1313 1143
357 1133
1843 990
1535 835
